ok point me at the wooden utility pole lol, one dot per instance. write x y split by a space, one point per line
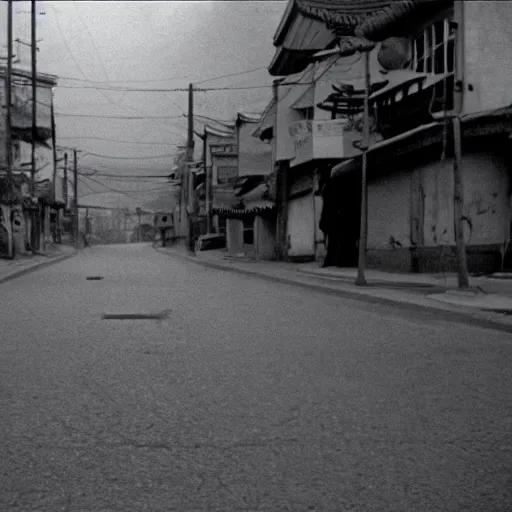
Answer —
54 148
65 191
8 101
208 184
458 189
363 230
75 198
35 217
190 159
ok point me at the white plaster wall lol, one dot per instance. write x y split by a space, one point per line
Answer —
301 229
488 55
287 95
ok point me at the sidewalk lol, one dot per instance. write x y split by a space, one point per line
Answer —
10 269
419 292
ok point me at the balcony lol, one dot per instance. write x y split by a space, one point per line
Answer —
324 140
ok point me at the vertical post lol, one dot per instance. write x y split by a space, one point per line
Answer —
75 199
36 219
65 191
363 229
54 148
190 158
208 184
8 101
458 189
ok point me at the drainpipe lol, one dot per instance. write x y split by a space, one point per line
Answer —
458 188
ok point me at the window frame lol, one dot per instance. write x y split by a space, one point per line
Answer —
430 46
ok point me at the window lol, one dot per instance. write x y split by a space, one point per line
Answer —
434 49
248 223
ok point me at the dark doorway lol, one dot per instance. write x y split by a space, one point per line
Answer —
341 220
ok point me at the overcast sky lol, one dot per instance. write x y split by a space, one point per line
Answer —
144 45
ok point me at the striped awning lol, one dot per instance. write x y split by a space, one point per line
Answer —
239 212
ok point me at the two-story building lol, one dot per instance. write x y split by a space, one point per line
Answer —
313 130
436 67
250 216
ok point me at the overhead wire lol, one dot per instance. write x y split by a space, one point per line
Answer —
120 141
80 69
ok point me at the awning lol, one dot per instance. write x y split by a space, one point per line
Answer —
267 121
307 100
243 212
402 77
256 194
346 165
248 117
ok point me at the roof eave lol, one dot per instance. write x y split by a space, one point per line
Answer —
286 19
395 19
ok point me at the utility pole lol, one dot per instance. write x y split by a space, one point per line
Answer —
208 184
8 101
65 191
75 198
363 229
458 190
35 218
190 159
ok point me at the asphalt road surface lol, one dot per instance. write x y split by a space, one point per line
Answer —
248 395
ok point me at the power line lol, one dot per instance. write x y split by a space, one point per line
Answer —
156 80
62 114
121 141
155 157
92 40
230 75
126 192
132 175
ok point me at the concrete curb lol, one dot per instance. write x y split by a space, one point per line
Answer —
453 316
37 266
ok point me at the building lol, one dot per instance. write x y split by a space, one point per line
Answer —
314 129
436 69
248 208
26 212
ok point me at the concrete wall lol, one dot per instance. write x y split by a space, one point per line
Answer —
264 237
234 236
425 194
488 59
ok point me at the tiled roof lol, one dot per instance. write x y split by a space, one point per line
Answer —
343 16
395 19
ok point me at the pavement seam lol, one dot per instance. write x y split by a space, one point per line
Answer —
451 316
37 266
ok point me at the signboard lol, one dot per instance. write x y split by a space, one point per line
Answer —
323 140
